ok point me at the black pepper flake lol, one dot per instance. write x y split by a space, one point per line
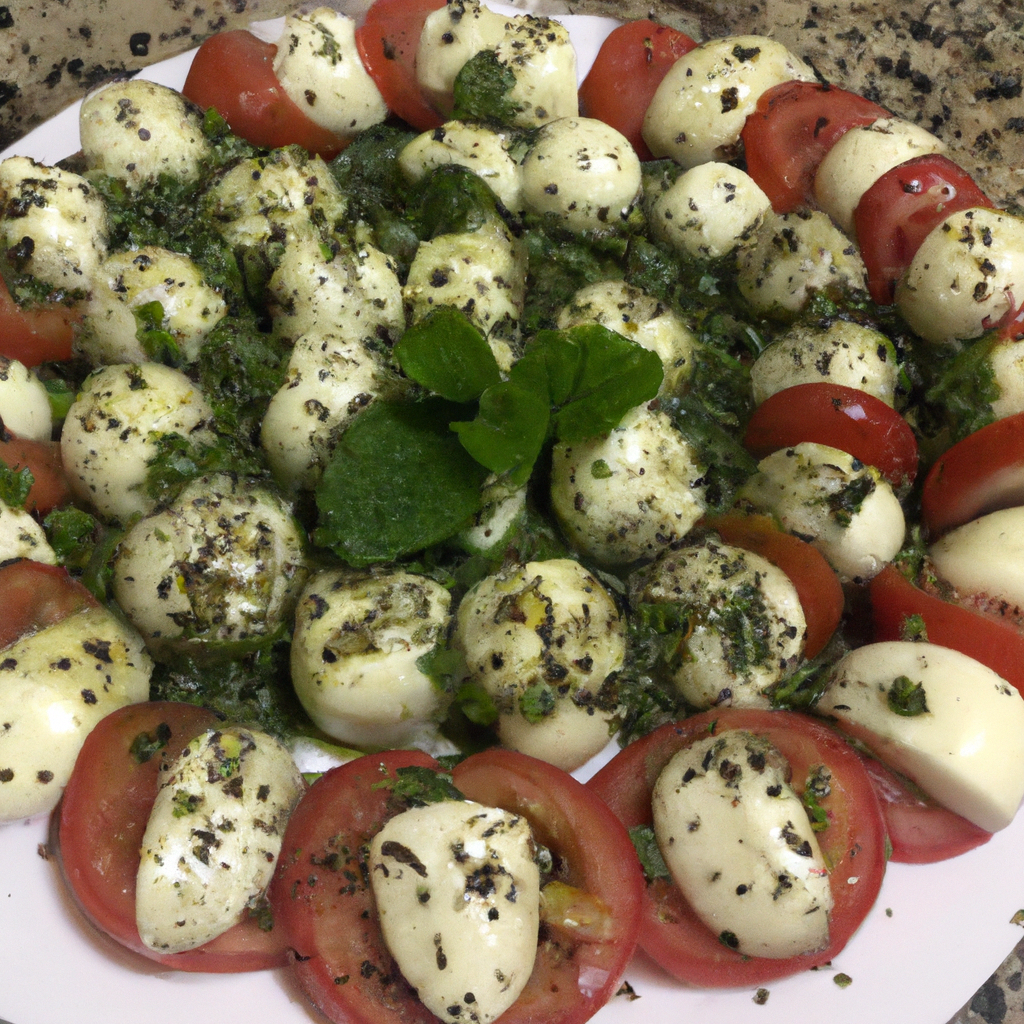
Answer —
44 776
89 697
139 44
6 774
8 664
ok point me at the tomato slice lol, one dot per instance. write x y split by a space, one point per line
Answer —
901 208
790 132
854 842
324 901
50 486
234 73
36 334
817 585
626 73
388 40
841 417
34 596
982 473
102 818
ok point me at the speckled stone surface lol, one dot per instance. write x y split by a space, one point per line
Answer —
1001 999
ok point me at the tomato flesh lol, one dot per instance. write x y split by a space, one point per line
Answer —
626 74
34 596
841 417
672 934
35 335
50 487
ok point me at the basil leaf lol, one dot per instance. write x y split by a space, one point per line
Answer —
907 698
483 90
15 485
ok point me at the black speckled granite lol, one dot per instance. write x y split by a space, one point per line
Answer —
1001 999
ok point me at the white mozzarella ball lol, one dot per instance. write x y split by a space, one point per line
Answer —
55 686
129 280
961 280
137 130
640 317
479 149
114 428
746 626
960 737
500 516
583 173
355 651
1007 364
738 843
24 402
843 353
213 836
22 537
833 501
544 640
463 928
631 493
709 211
860 157
224 562
702 104
53 223
319 67
794 255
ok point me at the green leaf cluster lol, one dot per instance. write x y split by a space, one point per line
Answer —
483 90
15 485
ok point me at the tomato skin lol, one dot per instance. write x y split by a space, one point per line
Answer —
50 487
35 335
817 585
626 73
34 596
841 417
102 818
387 42
234 73
791 131
671 933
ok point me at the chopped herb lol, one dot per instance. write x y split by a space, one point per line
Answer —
15 485
843 980
907 698
761 996
483 90
416 787
647 849
146 744
914 629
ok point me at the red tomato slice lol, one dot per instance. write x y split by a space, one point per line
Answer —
900 209
626 73
388 40
982 473
234 73
920 831
819 589
790 133
323 899
854 842
50 487
103 816
35 335
34 596
841 417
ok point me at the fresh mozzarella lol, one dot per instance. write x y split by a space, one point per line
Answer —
319 67
860 157
738 843
960 736
1007 364
355 654
964 275
457 890
833 501
702 104
544 639
22 537
55 686
583 173
114 429
741 616
495 524
24 402
213 836
630 493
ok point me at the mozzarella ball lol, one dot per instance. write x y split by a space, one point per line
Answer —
1007 364
24 402
794 255
355 651
843 353
319 67
583 173
835 502
137 130
640 317
224 562
479 149
22 537
545 640
709 211
630 493
745 624
495 525
53 224
702 104
127 281
961 280
860 157
113 431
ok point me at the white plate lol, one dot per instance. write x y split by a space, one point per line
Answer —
935 935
